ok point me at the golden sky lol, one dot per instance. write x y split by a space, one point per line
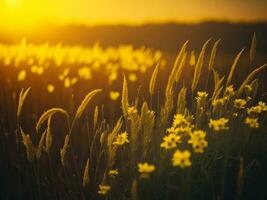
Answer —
27 13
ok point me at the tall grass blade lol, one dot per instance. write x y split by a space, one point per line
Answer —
153 80
213 54
230 76
198 66
86 174
48 114
250 77
252 51
124 98
22 96
85 102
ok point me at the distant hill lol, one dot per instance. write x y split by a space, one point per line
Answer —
167 37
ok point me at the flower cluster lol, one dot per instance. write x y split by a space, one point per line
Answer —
145 169
181 158
103 189
198 141
252 122
219 124
121 139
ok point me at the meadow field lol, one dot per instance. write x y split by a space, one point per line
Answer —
121 122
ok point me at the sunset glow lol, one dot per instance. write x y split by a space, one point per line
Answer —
27 13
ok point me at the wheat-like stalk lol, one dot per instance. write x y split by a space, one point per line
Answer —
217 84
96 112
115 131
181 101
147 123
86 174
64 149
112 149
30 148
198 66
48 139
181 67
176 70
153 80
213 54
48 114
85 102
229 79
22 96
252 51
124 97
40 146
249 78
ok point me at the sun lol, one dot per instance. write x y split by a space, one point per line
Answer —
12 3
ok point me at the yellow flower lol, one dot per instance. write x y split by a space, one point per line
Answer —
50 88
22 75
254 110
172 130
240 103
179 120
132 77
262 106
248 88
103 189
113 172
145 168
113 76
67 82
219 102
219 124
201 95
85 73
74 81
252 122
132 110
114 95
198 141
170 141
230 90
121 139
181 158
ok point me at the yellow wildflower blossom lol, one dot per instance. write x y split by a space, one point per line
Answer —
132 110
179 120
145 168
132 77
230 90
201 95
219 124
254 110
22 75
248 88
198 141
50 88
240 103
114 95
113 172
219 102
103 189
121 139
181 159
252 122
262 106
85 73
170 141
67 82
